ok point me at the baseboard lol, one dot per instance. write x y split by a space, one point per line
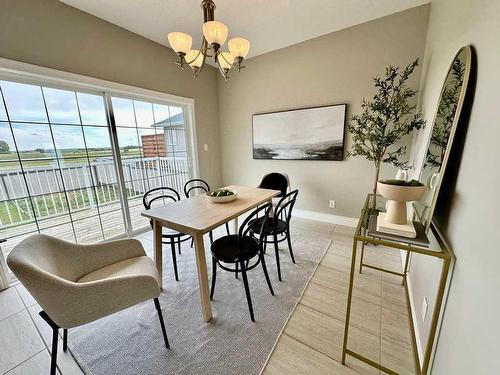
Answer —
420 349
326 218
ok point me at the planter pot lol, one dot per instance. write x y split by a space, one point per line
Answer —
397 196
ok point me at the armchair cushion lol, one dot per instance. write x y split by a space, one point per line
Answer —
77 284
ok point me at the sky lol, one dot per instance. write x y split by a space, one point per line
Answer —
29 103
300 126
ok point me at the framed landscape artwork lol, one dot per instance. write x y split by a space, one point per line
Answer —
300 134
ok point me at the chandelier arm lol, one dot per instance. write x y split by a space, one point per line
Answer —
222 71
221 55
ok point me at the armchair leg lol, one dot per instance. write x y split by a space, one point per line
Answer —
162 323
65 339
55 339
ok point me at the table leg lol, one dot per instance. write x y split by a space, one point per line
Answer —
158 253
349 300
206 307
405 271
235 225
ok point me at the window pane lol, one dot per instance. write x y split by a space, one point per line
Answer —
3 113
128 142
108 197
161 142
88 230
149 142
144 114
123 111
69 141
61 105
92 109
16 211
33 141
76 173
24 102
98 142
112 224
7 146
51 209
12 181
161 114
64 232
43 180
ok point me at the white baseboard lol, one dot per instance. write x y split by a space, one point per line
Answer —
418 340
326 218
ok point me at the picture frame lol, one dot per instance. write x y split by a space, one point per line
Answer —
310 133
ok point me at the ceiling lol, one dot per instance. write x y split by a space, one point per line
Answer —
268 24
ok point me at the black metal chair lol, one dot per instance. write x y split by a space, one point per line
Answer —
275 181
193 185
277 225
162 196
240 249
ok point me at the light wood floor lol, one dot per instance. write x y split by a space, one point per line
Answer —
311 342
312 339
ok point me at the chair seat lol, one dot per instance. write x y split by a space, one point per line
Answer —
136 266
256 226
229 249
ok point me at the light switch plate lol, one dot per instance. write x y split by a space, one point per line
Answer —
205 147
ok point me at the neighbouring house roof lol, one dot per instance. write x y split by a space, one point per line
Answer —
175 120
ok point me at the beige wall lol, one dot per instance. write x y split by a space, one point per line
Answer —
468 210
51 34
335 68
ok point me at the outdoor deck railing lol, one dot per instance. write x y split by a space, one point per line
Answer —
53 191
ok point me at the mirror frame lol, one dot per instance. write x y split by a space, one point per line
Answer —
463 91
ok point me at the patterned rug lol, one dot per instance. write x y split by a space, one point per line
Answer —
130 342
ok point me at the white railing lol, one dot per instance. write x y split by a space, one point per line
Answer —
49 199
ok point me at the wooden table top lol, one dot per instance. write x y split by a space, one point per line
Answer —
199 214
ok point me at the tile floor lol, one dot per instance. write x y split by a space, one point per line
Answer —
311 341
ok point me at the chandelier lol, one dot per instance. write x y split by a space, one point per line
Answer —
214 36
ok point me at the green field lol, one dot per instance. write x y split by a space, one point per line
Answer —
66 157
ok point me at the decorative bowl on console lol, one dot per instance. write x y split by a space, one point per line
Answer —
398 192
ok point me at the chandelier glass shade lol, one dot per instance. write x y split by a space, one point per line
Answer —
214 36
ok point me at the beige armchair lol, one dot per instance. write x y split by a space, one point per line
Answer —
77 284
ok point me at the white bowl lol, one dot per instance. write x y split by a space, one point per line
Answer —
224 199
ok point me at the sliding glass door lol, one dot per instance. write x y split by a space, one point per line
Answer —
67 158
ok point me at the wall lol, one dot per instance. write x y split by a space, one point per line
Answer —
52 34
467 210
334 68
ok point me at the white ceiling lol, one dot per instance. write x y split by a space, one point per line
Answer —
268 24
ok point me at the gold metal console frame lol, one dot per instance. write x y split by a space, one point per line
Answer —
437 248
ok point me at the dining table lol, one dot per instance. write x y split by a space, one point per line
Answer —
196 216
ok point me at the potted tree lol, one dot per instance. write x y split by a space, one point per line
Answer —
377 132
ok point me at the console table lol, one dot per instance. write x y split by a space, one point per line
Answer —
430 244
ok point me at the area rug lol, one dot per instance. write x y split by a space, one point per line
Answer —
130 342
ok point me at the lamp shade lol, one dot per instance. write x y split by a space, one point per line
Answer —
215 32
194 58
226 60
180 42
239 47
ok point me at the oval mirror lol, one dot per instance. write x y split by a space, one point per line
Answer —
443 130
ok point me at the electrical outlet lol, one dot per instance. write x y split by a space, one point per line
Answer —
424 309
205 147
332 204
